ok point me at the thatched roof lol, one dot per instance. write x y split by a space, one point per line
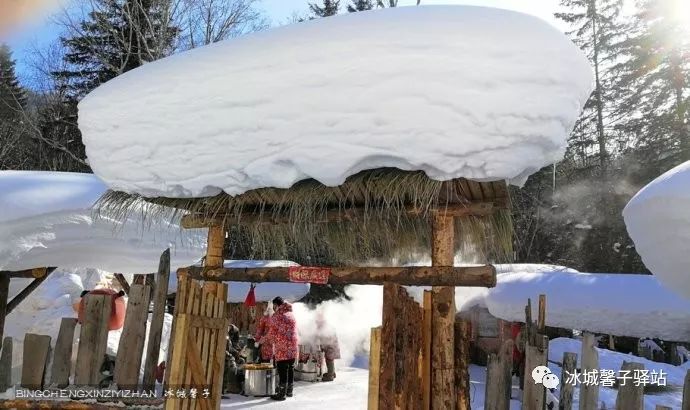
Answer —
375 214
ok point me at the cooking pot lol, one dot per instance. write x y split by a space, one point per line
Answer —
259 381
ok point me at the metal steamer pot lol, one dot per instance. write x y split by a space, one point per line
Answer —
259 381
308 364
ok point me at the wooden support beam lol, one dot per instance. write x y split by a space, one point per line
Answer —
193 221
123 282
34 273
444 392
27 291
478 276
157 317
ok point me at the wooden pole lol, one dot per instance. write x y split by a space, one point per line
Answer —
439 276
374 368
462 362
93 338
215 245
123 282
589 393
34 273
157 318
127 366
4 291
388 347
62 356
443 387
541 319
565 401
27 291
630 397
534 393
686 392
6 364
426 350
497 392
35 360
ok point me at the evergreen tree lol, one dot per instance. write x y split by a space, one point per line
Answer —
12 95
596 29
328 8
656 75
360 5
118 35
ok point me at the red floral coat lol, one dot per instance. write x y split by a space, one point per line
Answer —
261 331
282 333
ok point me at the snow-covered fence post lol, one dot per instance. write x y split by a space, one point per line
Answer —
534 393
565 401
686 392
499 379
589 392
630 396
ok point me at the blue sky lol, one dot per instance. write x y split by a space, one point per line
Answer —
40 31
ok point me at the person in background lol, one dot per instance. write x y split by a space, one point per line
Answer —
328 340
234 376
266 349
282 334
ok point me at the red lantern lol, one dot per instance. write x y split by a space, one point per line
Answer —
117 308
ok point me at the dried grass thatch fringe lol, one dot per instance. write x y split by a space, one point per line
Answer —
381 231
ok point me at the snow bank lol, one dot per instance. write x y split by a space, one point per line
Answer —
658 221
618 304
455 91
46 220
264 292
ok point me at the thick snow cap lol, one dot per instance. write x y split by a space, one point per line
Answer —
46 220
455 91
658 221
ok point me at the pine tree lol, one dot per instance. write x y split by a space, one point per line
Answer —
12 95
360 5
596 28
118 35
328 8
657 77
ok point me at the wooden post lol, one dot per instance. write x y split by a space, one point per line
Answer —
388 346
62 356
6 365
541 320
4 291
374 368
35 360
686 392
93 339
589 393
630 397
157 318
123 282
426 350
443 383
215 245
497 392
529 328
462 362
534 393
128 365
565 401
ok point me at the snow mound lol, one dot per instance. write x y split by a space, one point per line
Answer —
455 91
264 292
46 220
658 221
617 304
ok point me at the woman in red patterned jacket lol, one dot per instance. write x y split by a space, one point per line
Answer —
266 349
283 335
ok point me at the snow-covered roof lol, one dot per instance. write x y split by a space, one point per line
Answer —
264 292
658 221
455 91
46 220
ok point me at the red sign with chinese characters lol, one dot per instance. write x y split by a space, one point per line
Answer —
309 274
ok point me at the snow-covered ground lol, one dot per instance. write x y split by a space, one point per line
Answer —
237 291
46 220
473 92
658 221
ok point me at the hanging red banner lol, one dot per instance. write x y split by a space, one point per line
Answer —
309 274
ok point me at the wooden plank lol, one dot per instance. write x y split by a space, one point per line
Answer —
219 357
686 392
495 397
34 360
62 356
374 368
426 350
127 366
589 393
180 304
27 290
443 391
27 273
176 362
197 375
447 275
157 318
4 291
122 281
193 308
93 339
388 346
474 208
462 363
565 401
630 396
534 393
476 190
6 364
541 318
